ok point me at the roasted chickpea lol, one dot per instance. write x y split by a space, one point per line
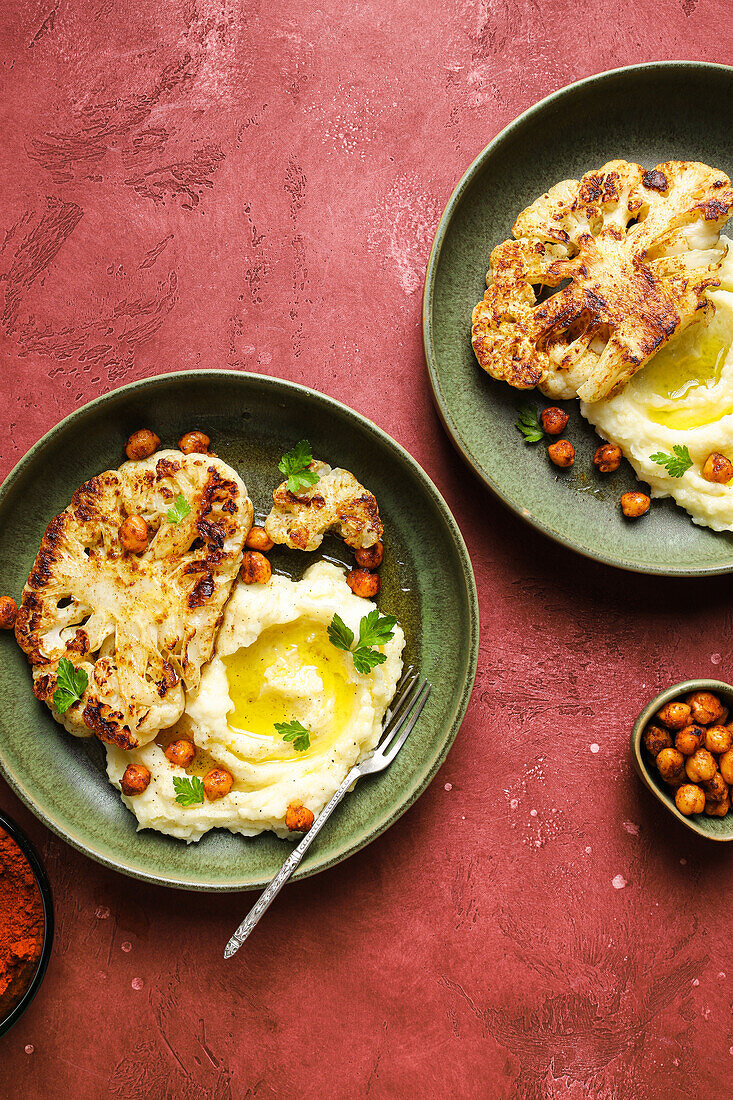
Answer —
134 535
689 799
671 765
718 739
700 767
142 444
562 453
258 539
135 780
655 739
217 783
298 817
370 557
717 468
554 421
707 709
635 504
363 583
8 612
717 809
725 763
255 568
716 789
607 458
674 715
181 752
194 443
689 739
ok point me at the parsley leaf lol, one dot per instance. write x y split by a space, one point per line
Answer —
71 684
374 630
180 509
529 424
295 732
676 464
189 792
295 464
339 633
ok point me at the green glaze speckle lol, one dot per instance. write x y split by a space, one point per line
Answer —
427 581
715 828
649 113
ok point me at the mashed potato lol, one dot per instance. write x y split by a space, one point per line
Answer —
273 663
682 397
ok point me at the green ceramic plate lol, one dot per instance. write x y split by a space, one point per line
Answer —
427 581
650 113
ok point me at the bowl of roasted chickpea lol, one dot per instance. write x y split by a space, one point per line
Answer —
682 743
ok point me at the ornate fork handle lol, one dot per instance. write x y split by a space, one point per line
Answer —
291 863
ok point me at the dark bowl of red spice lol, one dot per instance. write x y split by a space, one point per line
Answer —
26 922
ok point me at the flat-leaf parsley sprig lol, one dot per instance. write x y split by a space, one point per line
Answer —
529 424
374 630
189 791
296 466
179 509
71 683
296 733
677 463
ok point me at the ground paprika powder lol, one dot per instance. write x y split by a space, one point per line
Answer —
21 923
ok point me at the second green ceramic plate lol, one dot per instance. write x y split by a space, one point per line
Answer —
666 111
427 582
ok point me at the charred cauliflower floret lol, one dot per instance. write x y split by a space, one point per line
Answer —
639 250
140 625
336 502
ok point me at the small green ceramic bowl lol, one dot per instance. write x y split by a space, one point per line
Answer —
715 828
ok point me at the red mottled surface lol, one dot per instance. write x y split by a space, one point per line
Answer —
256 185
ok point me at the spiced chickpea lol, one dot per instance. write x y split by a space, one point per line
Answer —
255 568
370 557
717 809
671 765
717 468
298 817
700 767
180 752
675 715
689 739
194 443
718 739
635 504
689 799
707 709
607 458
363 583
725 763
657 738
134 535
258 539
8 612
135 780
716 789
562 453
554 421
142 444
217 783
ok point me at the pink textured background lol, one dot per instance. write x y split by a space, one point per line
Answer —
256 185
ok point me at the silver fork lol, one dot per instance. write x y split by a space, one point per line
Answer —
410 698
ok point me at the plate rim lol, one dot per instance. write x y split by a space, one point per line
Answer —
431 357
454 719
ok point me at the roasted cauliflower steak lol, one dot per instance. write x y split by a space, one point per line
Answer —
139 625
337 502
635 252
